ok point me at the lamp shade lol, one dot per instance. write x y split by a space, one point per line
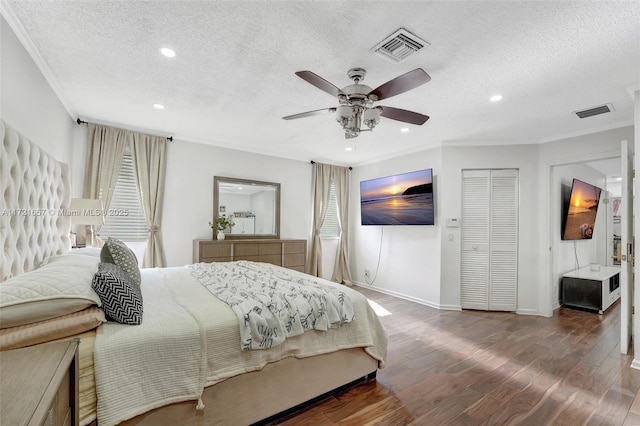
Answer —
86 211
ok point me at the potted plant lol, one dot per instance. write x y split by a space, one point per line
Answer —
221 224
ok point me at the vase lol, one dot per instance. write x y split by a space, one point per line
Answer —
220 235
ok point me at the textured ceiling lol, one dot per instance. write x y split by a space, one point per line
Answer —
233 77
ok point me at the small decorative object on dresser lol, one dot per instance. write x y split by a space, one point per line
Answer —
221 224
39 385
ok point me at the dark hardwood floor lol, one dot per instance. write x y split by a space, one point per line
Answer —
489 368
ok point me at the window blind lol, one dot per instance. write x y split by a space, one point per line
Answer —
331 224
125 217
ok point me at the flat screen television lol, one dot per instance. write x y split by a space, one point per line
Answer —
580 212
404 199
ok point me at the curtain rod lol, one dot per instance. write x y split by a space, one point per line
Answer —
313 162
169 138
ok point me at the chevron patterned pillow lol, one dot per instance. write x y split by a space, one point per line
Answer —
121 298
116 252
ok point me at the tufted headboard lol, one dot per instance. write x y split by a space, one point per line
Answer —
36 192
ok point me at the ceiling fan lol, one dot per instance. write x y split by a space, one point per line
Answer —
356 100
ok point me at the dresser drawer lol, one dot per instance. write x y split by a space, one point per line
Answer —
294 247
215 250
296 259
274 259
215 259
270 248
241 250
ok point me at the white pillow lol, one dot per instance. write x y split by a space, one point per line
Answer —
88 251
60 287
85 251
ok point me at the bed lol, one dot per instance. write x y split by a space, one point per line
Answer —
185 363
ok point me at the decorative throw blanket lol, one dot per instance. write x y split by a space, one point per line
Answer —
272 304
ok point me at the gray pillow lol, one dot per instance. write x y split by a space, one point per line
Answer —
116 252
121 299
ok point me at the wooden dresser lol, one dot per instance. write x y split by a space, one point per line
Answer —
39 385
289 253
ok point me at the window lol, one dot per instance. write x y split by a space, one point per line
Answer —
331 224
125 219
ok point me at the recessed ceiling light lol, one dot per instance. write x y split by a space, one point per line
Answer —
495 98
404 129
169 53
158 106
348 148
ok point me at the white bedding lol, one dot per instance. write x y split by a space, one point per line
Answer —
189 339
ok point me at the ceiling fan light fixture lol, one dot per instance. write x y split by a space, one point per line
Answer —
371 117
344 114
356 100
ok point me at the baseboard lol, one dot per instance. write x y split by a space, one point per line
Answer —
435 305
400 295
529 312
451 307
635 364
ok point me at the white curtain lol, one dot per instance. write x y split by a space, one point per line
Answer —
149 167
341 178
321 184
104 157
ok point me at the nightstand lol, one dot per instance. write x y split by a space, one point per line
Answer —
39 385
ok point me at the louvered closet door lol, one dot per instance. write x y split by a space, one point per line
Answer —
476 193
503 244
489 258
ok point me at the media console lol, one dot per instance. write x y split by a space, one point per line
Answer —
591 290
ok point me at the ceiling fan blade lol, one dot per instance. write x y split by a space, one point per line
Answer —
319 82
404 115
309 113
401 84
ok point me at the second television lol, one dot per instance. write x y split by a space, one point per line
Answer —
579 217
403 199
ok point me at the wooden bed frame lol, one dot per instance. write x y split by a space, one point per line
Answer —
244 399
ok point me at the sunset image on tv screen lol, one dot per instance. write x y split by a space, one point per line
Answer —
583 207
404 199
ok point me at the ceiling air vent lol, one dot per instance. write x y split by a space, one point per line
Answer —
399 46
602 109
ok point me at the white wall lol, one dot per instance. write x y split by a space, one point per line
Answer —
521 157
570 255
409 255
421 264
29 104
585 148
188 198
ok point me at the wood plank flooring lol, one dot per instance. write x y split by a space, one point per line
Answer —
489 368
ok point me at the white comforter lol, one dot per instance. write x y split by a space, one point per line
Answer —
189 339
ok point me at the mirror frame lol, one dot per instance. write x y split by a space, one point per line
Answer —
216 198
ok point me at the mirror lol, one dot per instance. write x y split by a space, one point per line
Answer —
252 205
